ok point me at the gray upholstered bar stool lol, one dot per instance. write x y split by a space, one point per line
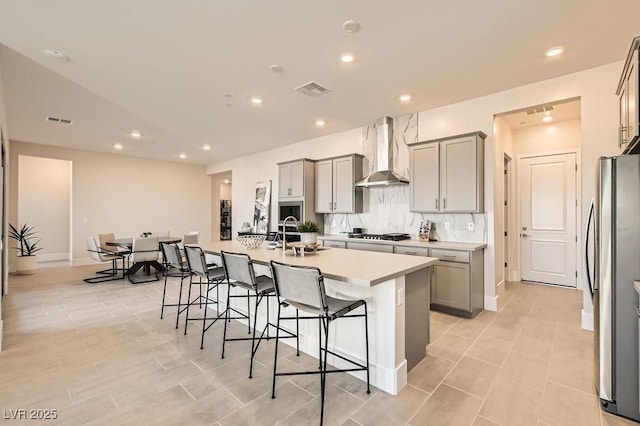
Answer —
302 287
173 267
210 276
239 272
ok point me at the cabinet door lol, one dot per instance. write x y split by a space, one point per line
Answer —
343 191
324 187
624 118
297 179
632 100
382 248
284 181
458 174
451 285
424 178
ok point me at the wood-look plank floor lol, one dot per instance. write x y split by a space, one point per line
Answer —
99 354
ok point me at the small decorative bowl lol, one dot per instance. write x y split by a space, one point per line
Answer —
251 241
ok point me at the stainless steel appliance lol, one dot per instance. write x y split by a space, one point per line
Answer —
616 266
388 237
290 208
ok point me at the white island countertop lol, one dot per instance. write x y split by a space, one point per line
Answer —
363 268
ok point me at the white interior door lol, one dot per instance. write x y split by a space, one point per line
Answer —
548 219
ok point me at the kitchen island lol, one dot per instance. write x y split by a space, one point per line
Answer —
396 288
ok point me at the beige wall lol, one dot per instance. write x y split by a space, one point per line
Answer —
225 191
561 136
124 195
44 186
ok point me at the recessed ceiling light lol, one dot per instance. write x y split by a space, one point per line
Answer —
117 146
405 98
547 118
206 147
183 155
320 122
554 51
276 68
347 58
256 101
351 26
135 134
227 181
56 55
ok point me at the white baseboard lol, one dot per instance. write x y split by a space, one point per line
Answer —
52 257
514 276
500 288
491 303
587 320
1 328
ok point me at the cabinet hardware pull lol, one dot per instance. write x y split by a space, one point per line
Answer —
410 252
448 256
444 200
436 204
330 205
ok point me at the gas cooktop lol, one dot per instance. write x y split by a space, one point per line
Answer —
387 237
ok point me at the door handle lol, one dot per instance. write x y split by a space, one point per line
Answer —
525 235
586 249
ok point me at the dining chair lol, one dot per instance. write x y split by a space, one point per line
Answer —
99 255
144 254
103 238
302 287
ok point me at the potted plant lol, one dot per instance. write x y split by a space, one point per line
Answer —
308 232
27 246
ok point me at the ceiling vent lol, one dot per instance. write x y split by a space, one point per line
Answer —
312 89
58 120
539 109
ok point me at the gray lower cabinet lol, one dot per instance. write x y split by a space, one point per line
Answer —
370 247
334 244
457 284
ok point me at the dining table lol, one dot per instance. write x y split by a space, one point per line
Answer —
127 244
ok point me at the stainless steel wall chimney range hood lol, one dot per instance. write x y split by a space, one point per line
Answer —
383 173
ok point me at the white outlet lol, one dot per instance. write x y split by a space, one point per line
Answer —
447 226
471 226
401 297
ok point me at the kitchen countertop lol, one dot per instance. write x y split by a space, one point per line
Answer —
448 245
363 268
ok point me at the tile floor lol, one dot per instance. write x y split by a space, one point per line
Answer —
99 354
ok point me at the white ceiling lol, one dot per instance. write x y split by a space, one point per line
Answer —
163 67
528 117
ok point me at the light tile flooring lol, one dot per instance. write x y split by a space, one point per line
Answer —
99 354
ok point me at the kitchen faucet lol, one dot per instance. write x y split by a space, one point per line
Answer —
284 232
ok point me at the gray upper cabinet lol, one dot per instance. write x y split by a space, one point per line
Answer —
292 177
424 177
335 190
628 127
447 175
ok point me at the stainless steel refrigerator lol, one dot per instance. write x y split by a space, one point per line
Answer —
615 268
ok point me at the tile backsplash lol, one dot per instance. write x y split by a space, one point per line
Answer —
386 209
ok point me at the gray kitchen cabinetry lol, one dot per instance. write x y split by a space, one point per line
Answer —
629 124
334 244
447 175
370 247
295 179
457 284
335 189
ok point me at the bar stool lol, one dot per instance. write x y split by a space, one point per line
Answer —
239 272
302 287
173 267
213 276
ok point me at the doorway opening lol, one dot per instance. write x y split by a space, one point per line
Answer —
221 208
542 224
46 182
